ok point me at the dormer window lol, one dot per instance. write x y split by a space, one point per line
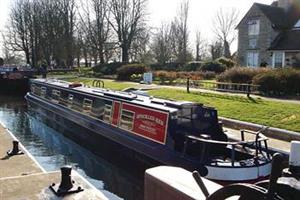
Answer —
253 27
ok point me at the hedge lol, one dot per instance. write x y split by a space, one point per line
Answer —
228 63
125 72
213 66
109 68
167 67
240 74
279 82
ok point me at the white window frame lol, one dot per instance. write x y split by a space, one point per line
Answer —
254 44
123 124
253 27
87 105
254 55
43 91
108 113
274 58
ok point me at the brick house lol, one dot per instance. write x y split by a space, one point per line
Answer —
270 35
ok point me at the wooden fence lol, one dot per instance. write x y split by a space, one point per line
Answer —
223 87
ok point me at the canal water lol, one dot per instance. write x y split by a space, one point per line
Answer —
52 150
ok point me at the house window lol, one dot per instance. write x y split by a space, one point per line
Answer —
253 43
253 27
252 59
278 59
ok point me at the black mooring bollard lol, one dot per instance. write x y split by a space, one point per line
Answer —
15 150
66 182
67 185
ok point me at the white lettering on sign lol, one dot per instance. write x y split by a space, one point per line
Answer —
150 118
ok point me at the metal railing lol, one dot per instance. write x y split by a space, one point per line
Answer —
256 144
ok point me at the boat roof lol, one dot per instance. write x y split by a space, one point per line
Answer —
156 103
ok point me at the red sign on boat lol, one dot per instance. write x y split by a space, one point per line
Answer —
148 123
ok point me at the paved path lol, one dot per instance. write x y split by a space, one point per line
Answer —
21 177
15 165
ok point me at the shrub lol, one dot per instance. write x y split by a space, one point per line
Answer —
208 75
164 76
279 82
97 75
192 66
240 74
167 67
196 75
228 63
213 66
108 68
125 72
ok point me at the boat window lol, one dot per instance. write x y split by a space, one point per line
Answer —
36 90
107 113
127 119
63 100
43 91
77 102
87 105
55 95
98 108
184 115
33 88
70 99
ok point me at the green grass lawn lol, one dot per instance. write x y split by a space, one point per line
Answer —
269 113
110 84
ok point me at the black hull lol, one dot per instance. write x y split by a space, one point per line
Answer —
15 87
148 152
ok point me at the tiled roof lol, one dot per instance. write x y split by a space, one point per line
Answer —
276 15
287 40
280 19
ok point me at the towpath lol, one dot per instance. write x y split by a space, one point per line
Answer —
21 177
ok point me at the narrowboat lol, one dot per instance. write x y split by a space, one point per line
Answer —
183 134
13 80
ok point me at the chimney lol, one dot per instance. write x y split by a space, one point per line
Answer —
285 4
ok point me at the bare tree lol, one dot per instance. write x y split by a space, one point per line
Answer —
128 21
95 24
17 35
180 33
140 46
161 45
201 50
216 50
43 30
224 25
